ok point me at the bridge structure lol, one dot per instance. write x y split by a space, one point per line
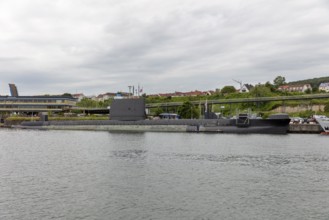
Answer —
209 103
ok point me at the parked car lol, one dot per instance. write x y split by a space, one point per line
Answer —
296 120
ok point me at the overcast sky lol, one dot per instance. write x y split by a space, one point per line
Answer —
98 46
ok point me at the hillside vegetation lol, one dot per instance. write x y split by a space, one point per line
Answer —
315 82
266 90
263 108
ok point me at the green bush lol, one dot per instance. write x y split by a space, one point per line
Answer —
20 118
306 114
326 107
188 110
158 111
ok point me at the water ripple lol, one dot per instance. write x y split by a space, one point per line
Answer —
97 175
130 154
260 160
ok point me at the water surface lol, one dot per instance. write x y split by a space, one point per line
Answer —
101 175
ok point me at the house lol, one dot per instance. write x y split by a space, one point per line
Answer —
78 96
92 97
106 96
246 88
324 87
193 93
295 88
210 92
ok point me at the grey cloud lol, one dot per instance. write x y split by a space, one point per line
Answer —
164 45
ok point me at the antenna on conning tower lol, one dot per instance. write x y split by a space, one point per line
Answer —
240 82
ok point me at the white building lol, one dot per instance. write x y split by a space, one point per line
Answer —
295 88
79 96
246 88
106 96
324 87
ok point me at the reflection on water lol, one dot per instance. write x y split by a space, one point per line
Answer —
130 154
248 159
100 175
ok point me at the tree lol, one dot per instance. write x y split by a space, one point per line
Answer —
228 90
67 95
158 111
270 86
107 103
261 91
88 103
188 110
316 90
308 91
326 107
279 81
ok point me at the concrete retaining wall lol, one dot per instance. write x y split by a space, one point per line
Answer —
305 128
300 108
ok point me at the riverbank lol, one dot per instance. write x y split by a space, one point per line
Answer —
305 128
293 128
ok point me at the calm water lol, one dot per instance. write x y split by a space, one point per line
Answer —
101 175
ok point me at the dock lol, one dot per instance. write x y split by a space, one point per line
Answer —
160 126
305 128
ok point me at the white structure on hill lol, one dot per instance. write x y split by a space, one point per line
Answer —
295 88
324 87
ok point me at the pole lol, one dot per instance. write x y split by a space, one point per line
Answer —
129 91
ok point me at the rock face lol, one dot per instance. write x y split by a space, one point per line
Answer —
128 110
